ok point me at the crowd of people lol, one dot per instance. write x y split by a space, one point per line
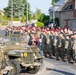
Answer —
53 42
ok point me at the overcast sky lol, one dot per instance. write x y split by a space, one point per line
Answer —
41 4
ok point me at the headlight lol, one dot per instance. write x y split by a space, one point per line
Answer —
25 54
17 43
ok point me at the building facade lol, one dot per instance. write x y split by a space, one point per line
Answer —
66 13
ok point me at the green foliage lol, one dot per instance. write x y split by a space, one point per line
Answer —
4 22
19 9
37 14
54 1
29 10
44 18
24 19
40 24
56 21
14 19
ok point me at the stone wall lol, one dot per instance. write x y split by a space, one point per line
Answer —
65 15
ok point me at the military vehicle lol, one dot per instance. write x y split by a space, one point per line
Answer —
18 56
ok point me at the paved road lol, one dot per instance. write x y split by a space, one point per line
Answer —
53 67
61 68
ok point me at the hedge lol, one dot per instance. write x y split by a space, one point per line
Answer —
40 24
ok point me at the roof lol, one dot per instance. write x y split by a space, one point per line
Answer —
59 4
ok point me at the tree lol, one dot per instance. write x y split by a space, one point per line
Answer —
54 1
29 10
19 8
42 17
37 14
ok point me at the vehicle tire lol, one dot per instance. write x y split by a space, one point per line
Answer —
34 70
4 64
16 68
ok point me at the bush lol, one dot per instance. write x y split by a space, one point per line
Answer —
40 24
24 19
15 19
4 22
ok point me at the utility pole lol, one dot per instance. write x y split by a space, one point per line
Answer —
27 14
11 12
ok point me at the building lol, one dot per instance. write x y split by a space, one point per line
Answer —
65 10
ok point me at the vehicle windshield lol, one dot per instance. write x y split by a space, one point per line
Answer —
13 39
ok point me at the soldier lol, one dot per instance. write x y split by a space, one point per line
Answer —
44 40
48 44
72 44
62 47
53 43
74 47
57 46
68 48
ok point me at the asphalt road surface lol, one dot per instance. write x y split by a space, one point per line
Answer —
54 67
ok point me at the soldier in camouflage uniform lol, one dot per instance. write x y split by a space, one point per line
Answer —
54 40
72 44
51 45
62 51
68 48
57 46
49 52
74 48
44 40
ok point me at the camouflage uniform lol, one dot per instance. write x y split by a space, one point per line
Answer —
44 40
54 44
74 48
68 48
62 51
48 45
58 47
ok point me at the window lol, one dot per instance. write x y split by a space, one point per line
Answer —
69 7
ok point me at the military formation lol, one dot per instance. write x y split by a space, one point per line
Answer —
55 42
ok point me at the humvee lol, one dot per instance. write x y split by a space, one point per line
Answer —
18 56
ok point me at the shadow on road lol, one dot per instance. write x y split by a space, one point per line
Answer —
59 71
23 71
